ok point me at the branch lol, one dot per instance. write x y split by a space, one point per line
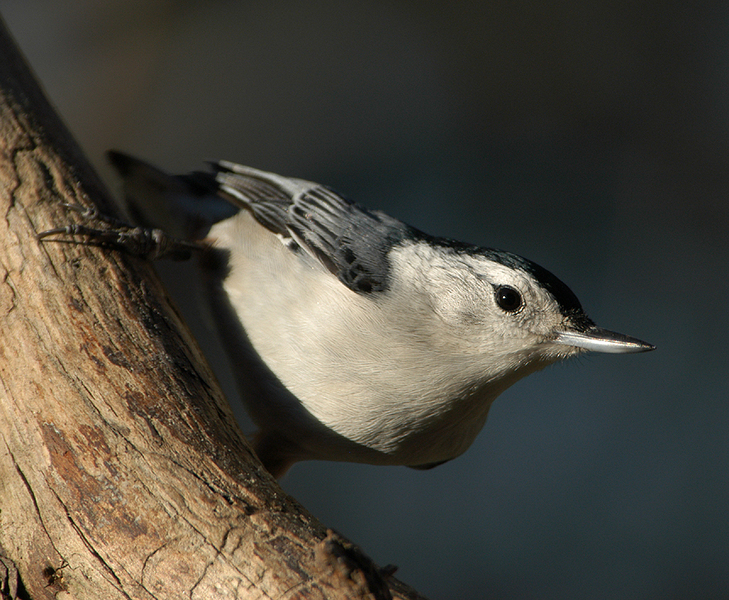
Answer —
123 473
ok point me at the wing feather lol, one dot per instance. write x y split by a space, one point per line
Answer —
349 240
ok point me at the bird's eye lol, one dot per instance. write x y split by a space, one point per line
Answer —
508 298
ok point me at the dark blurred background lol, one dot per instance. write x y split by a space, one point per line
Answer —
592 138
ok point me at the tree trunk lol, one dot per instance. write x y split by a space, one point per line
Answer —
123 473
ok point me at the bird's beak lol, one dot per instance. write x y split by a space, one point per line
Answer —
597 339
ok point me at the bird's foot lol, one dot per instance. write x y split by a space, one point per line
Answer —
110 232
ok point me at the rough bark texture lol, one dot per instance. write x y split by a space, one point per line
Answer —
122 471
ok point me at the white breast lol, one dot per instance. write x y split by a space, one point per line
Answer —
370 371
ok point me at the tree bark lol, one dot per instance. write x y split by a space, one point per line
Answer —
123 473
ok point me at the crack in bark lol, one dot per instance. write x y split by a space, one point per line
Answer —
16 180
119 585
144 568
300 587
30 492
219 491
202 576
9 303
33 498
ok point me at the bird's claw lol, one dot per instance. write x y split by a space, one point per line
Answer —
139 241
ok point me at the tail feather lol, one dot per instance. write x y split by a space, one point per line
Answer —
183 206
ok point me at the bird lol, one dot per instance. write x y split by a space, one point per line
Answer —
352 336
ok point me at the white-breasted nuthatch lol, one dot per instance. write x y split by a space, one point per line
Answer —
353 336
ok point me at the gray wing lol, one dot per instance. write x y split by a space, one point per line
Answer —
350 241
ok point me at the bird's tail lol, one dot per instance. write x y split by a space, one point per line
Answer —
184 206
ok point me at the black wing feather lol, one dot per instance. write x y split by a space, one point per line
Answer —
349 240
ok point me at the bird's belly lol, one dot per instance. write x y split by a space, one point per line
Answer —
344 395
